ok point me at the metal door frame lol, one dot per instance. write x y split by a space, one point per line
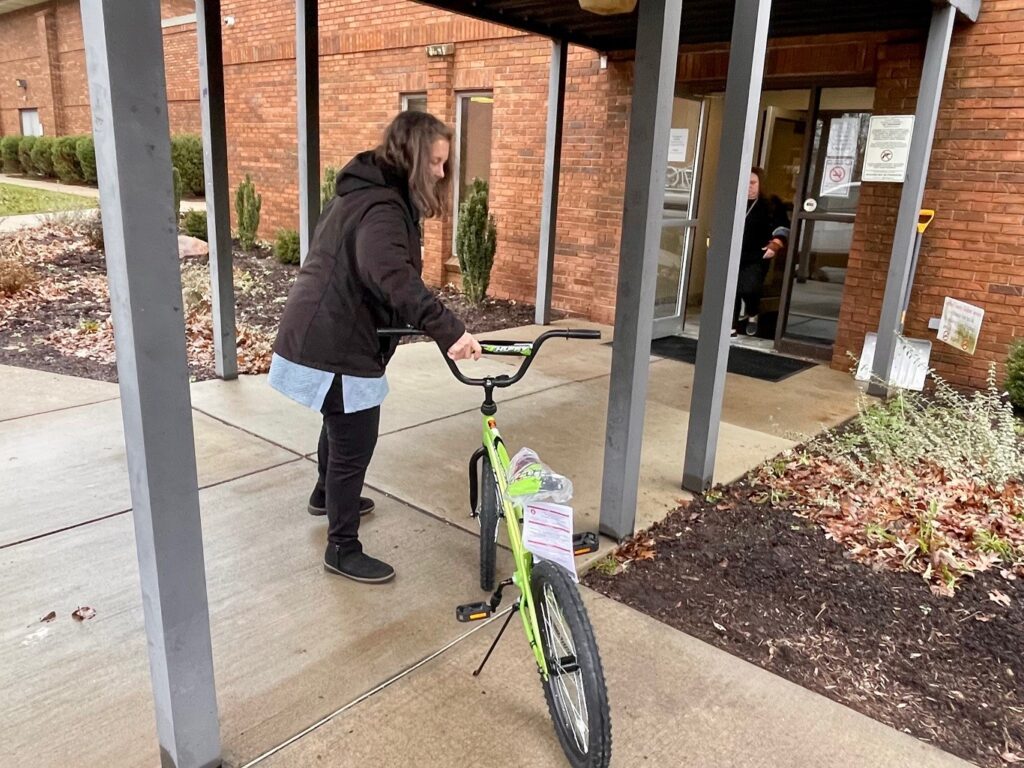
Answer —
802 219
674 323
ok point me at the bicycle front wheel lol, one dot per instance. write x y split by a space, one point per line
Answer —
575 689
487 514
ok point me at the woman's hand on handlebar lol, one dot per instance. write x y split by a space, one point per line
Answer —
466 348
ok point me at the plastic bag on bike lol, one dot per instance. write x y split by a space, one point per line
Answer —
530 480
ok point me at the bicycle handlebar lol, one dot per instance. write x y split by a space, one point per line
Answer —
525 349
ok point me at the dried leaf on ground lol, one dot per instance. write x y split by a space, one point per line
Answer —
638 548
999 597
83 613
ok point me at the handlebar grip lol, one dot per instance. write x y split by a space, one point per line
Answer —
508 348
582 333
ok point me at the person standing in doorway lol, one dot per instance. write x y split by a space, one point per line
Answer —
363 272
765 233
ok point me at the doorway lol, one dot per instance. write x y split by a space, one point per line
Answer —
823 222
810 143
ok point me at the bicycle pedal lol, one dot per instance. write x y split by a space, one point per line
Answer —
584 543
473 612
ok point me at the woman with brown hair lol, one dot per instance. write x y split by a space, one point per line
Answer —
765 233
363 272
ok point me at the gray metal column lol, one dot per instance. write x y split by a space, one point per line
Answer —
125 64
552 170
307 64
657 49
218 200
926 115
742 97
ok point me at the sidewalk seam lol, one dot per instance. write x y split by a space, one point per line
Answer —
58 410
372 692
101 518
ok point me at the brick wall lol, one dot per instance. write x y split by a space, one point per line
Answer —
974 249
373 52
20 59
43 45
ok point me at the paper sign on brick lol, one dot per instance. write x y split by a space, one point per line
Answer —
961 325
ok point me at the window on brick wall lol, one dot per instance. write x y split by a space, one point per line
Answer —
472 143
417 102
30 125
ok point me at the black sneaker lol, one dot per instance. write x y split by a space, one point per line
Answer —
357 566
751 329
318 504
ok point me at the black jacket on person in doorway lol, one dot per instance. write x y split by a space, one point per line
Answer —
764 217
363 272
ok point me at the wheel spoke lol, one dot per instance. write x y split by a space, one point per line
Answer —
564 670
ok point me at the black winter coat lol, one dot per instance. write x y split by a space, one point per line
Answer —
363 272
762 219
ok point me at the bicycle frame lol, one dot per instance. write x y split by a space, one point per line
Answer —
513 515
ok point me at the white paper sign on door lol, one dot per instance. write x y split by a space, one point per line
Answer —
678 138
840 157
547 533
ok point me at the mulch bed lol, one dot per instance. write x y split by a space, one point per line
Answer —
767 586
53 325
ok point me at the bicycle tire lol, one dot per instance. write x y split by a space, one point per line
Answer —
573 662
487 514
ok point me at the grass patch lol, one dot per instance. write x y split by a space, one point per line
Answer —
16 200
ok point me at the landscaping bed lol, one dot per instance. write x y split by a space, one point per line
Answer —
55 309
881 566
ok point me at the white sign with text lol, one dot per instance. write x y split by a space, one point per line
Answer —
547 533
888 148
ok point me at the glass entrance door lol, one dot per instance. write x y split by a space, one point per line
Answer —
679 214
822 231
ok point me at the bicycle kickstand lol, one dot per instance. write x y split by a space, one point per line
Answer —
515 607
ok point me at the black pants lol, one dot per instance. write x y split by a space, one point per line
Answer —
346 446
749 289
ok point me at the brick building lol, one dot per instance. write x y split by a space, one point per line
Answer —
492 84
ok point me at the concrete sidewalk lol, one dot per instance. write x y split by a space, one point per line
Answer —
14 223
292 645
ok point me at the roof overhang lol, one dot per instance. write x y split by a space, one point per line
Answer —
704 21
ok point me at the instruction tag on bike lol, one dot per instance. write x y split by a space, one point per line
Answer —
547 533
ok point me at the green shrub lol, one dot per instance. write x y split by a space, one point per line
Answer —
42 156
65 160
187 157
193 224
25 145
247 208
86 153
176 185
286 246
475 243
1015 375
327 187
9 154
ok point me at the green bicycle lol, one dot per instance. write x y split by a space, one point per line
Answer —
549 604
